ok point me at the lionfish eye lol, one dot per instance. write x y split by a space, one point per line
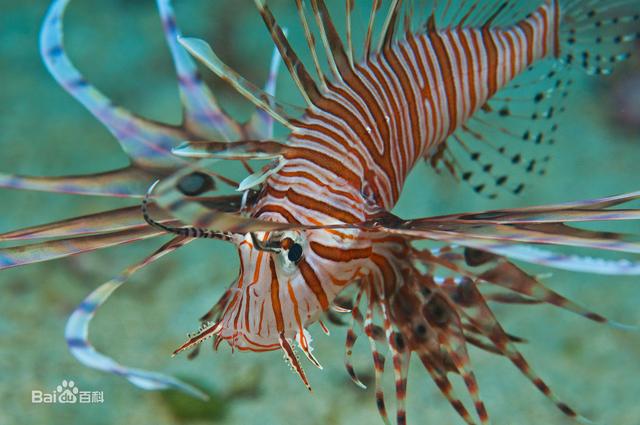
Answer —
195 183
295 253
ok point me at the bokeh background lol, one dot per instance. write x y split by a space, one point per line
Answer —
119 46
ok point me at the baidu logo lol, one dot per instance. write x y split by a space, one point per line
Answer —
66 393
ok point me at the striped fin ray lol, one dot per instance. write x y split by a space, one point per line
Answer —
499 229
120 219
203 52
375 335
338 57
455 344
504 274
21 255
147 143
349 4
246 149
508 275
128 182
597 209
480 315
432 364
311 43
202 115
390 25
549 234
260 125
297 70
576 263
401 356
444 14
77 332
352 336
375 9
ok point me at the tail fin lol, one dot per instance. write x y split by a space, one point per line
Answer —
596 35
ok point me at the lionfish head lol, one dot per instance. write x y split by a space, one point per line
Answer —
287 279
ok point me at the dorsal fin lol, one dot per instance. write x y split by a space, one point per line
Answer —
311 42
389 28
335 49
495 15
375 8
296 68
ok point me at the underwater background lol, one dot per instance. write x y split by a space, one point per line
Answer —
119 47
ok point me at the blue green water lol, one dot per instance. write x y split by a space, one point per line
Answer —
119 46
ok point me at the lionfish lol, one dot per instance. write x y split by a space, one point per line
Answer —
443 82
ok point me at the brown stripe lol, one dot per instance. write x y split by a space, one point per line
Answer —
339 255
360 116
526 27
383 160
463 78
327 128
314 181
478 49
330 163
473 95
429 93
312 281
313 204
275 296
357 85
492 60
446 69
410 102
545 30
356 124
389 277
395 152
512 54
277 209
556 28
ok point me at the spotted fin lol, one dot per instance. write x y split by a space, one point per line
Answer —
509 140
597 35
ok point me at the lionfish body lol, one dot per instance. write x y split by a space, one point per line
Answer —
349 158
316 220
